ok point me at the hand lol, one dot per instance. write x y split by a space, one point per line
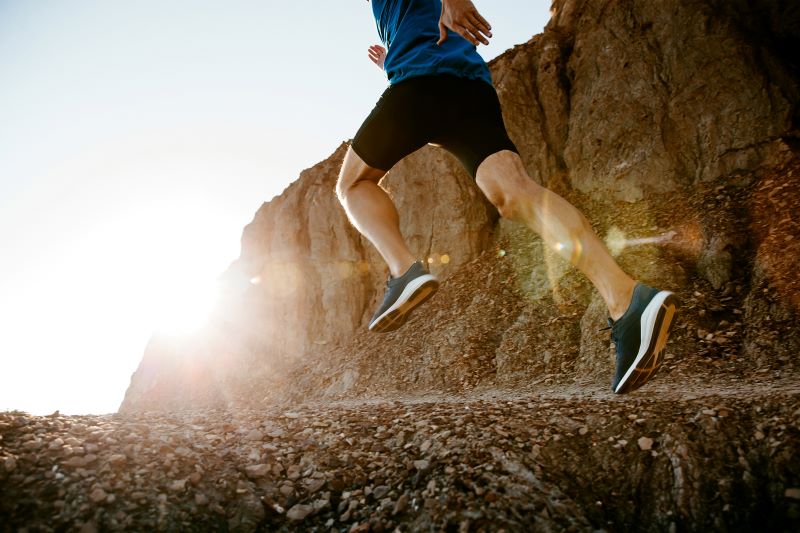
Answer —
462 17
377 54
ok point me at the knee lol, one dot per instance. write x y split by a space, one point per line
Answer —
343 185
505 182
508 193
353 172
503 199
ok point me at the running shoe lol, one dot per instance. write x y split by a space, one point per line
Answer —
640 336
403 295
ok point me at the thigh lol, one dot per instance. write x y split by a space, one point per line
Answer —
401 123
475 128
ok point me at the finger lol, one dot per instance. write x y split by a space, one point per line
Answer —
475 37
480 24
476 32
442 33
468 36
479 20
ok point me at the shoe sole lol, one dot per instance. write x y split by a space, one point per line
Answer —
417 292
657 321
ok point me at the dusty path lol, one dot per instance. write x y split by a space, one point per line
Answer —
667 458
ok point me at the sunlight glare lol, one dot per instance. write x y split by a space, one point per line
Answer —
186 306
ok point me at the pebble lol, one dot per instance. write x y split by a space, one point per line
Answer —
98 495
75 462
380 491
315 485
179 485
645 443
254 435
299 512
259 470
401 505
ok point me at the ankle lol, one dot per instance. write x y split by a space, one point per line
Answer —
399 268
621 303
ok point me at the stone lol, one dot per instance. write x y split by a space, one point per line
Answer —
10 464
320 505
645 443
792 493
293 472
256 471
315 485
98 495
75 462
254 435
380 491
182 451
299 512
401 505
88 527
178 485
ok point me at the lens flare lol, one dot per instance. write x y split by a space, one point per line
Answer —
616 241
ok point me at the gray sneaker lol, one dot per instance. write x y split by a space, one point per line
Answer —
640 336
403 295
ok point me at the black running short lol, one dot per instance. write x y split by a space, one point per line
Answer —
463 116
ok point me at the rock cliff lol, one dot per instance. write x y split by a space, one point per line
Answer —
656 119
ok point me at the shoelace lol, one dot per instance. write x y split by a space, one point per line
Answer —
610 327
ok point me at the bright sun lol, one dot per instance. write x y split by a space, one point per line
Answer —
177 267
185 305
81 320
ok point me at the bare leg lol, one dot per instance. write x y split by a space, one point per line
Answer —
504 181
372 211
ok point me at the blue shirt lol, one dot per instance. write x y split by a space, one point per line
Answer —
410 30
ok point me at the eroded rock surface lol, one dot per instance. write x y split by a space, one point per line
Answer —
558 460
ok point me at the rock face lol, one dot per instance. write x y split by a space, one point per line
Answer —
669 124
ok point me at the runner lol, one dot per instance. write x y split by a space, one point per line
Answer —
440 92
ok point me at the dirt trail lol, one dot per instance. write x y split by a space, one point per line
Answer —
673 456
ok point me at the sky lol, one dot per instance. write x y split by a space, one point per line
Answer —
137 139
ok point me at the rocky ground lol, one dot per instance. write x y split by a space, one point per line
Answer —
671 457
